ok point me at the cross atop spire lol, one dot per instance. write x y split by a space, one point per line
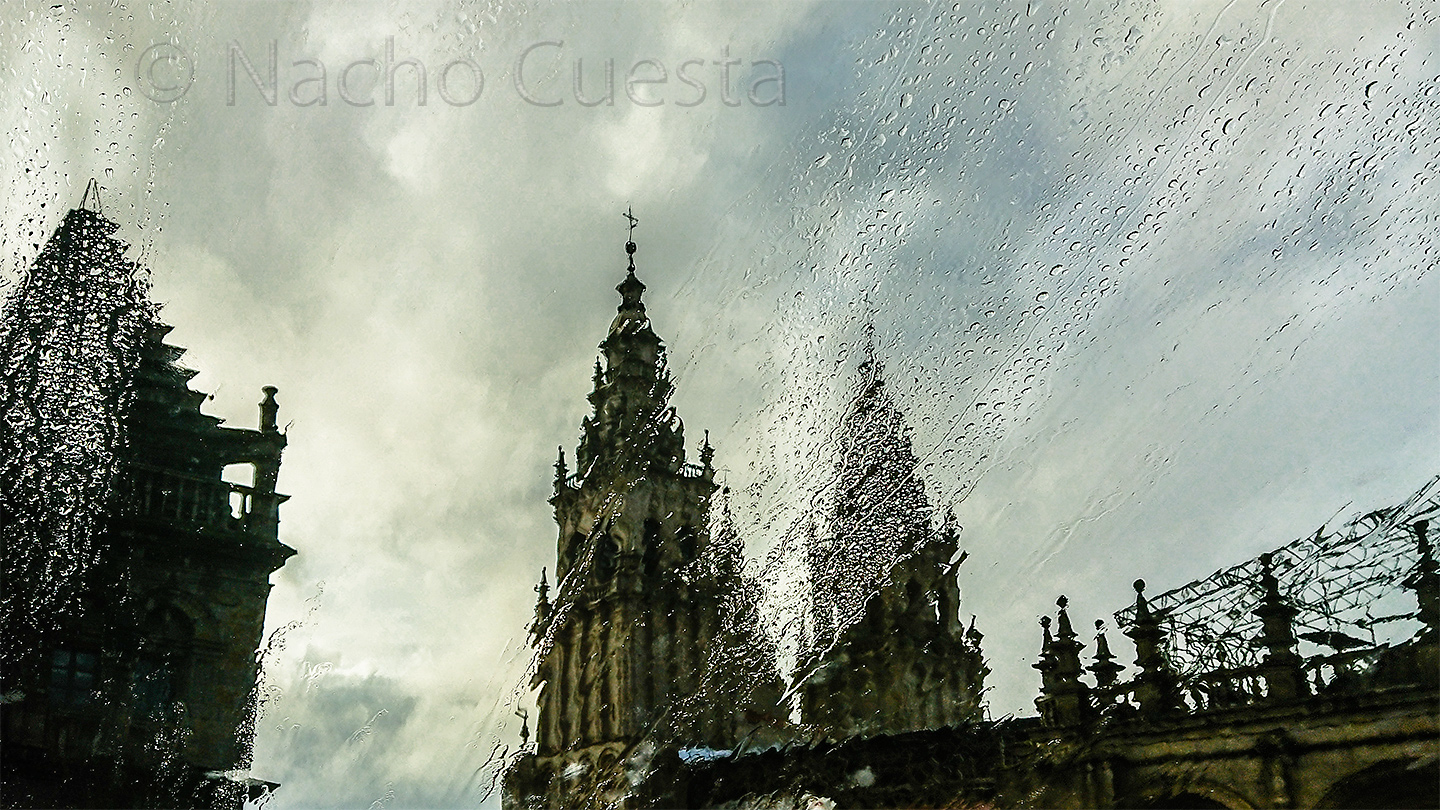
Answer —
630 289
630 241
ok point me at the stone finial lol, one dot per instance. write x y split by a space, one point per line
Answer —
1284 678
630 240
524 726
1105 670
972 635
1065 631
1269 585
1142 607
1425 582
269 408
542 605
1066 645
707 454
1046 665
1157 688
561 471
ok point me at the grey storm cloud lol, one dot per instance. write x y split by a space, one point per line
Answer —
1153 283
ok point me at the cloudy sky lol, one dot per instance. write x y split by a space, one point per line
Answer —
1154 283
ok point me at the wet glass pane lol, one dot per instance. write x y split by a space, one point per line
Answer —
869 334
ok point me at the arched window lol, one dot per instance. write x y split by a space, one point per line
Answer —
157 674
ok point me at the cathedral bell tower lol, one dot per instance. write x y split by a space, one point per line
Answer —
622 648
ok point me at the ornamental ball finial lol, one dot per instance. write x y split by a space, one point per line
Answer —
1139 585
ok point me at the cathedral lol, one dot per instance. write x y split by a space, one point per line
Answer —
1269 684
651 651
140 535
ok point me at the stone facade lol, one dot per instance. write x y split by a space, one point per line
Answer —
1372 751
1357 728
140 692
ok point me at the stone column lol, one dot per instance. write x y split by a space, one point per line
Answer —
607 659
570 704
589 683
622 725
643 674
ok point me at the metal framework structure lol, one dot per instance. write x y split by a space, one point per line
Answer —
1345 584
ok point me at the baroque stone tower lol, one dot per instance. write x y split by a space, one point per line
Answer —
904 662
637 645
130 635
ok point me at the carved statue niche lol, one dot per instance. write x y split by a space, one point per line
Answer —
917 606
607 552
685 540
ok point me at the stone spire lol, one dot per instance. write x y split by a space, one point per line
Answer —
542 605
562 474
879 511
1046 662
707 458
632 430
908 663
75 334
